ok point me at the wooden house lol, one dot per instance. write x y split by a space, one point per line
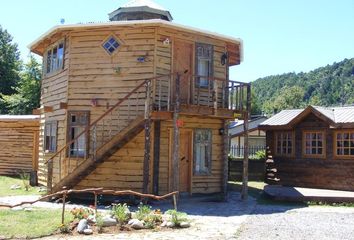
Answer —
18 144
137 103
312 147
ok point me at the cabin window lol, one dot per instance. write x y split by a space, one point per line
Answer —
202 151
344 141
314 143
78 121
284 143
54 58
111 45
204 64
50 136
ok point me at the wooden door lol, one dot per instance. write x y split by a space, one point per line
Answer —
185 158
182 62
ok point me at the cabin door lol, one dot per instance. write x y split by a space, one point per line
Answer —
182 62
185 159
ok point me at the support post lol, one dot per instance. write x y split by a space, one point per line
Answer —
175 143
146 173
156 164
244 193
63 210
50 175
225 157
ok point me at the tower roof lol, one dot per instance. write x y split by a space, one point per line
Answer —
140 10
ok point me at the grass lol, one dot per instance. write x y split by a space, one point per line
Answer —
37 223
7 182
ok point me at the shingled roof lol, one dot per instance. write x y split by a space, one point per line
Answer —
335 116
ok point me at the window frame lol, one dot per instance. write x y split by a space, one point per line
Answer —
69 132
60 62
208 171
53 124
204 57
292 154
324 144
335 147
118 40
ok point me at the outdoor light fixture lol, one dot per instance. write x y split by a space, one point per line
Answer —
221 131
223 59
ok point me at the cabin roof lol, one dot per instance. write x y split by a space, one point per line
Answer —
152 22
18 117
237 128
336 116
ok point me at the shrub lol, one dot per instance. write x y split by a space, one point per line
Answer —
177 217
260 155
81 213
143 211
120 212
64 228
99 222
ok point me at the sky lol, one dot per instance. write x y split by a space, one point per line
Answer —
279 36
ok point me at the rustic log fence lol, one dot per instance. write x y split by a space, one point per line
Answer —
96 192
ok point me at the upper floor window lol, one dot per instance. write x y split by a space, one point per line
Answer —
204 63
202 151
54 58
50 136
314 143
111 45
284 143
344 141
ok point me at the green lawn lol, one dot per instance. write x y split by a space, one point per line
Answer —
37 223
7 182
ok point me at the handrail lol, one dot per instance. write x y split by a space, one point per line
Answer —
87 129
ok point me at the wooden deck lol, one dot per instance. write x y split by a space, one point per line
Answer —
281 193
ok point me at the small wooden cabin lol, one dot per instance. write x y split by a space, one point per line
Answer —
18 144
312 147
137 103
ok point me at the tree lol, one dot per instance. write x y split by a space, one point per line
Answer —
28 91
9 63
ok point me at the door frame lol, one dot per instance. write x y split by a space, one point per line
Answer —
170 153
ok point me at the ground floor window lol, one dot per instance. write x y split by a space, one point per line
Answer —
50 136
202 151
344 141
77 123
284 143
314 143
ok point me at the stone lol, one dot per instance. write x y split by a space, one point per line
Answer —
109 221
184 224
15 186
91 219
17 208
88 231
163 224
170 224
136 224
82 226
28 209
42 189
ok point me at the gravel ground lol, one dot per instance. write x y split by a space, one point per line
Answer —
279 222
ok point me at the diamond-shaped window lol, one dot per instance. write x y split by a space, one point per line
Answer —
111 45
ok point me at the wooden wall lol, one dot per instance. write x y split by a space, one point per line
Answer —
327 173
18 145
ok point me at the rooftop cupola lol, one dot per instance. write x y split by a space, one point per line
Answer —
140 10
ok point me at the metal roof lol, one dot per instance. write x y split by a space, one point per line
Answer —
237 128
142 3
337 115
18 117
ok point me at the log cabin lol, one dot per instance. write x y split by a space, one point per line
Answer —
138 103
311 147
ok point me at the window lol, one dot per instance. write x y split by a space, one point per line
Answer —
78 121
55 58
204 63
50 136
202 151
344 141
314 143
284 143
111 45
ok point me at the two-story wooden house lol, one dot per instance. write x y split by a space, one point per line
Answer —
137 103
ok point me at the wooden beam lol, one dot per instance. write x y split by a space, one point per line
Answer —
146 166
162 115
175 160
63 105
156 163
36 111
47 109
49 176
225 146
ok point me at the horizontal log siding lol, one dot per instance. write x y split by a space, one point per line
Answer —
326 173
17 143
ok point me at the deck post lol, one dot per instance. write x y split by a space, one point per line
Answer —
175 143
50 175
225 158
147 138
244 193
156 163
